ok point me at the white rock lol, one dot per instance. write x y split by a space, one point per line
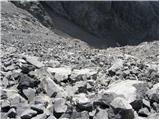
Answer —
125 88
34 61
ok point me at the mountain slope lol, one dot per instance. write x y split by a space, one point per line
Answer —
48 74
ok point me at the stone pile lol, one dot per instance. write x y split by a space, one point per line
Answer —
126 89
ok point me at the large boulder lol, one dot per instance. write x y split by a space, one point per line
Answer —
131 90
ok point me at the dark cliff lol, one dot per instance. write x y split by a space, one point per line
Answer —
114 22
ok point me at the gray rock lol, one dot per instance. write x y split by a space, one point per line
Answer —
137 105
70 90
9 68
29 93
26 82
51 88
51 117
80 115
117 65
41 116
123 108
121 103
105 99
81 74
80 98
12 113
42 99
28 114
155 106
40 74
16 99
61 73
27 68
59 105
153 116
153 93
5 106
34 61
82 102
146 104
38 107
7 63
102 114
53 63
144 112
92 113
5 82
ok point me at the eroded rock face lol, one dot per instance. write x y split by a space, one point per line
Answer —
112 19
114 22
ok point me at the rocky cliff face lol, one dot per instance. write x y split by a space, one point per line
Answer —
121 22
114 23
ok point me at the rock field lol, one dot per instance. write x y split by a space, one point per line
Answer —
45 75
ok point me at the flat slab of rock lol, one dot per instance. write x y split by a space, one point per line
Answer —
131 90
34 61
86 72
